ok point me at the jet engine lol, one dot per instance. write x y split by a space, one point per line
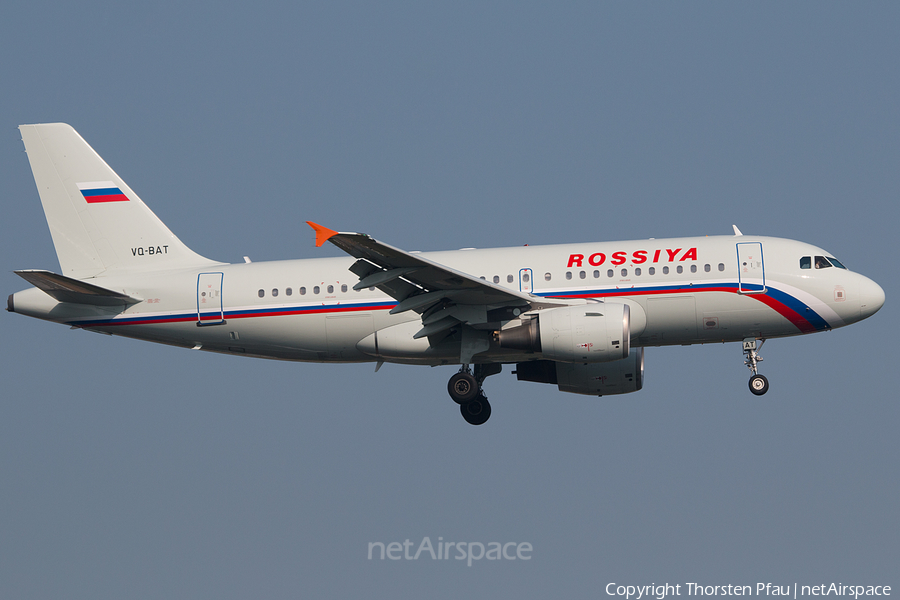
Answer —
586 333
599 379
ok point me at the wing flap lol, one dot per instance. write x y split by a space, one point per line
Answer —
381 277
421 301
436 327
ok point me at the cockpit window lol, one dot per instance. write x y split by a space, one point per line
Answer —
836 263
806 262
822 262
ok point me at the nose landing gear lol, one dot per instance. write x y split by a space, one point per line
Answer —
759 385
465 390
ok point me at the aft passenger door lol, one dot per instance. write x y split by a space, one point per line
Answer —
209 299
751 268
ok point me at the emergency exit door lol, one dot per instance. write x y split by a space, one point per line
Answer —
525 283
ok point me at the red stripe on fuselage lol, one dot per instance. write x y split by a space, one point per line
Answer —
216 316
798 320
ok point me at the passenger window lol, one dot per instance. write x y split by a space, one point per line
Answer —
806 262
496 279
624 272
610 273
721 266
526 277
275 292
707 268
582 275
693 268
315 289
288 291
509 278
822 262
262 293
665 270
546 277
680 269
651 271
596 274
344 287
330 289
637 271
302 291
568 275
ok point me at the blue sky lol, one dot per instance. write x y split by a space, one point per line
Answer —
134 470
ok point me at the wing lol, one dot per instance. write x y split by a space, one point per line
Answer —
443 296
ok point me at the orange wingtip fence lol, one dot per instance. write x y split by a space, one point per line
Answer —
323 234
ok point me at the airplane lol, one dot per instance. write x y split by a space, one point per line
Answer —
574 315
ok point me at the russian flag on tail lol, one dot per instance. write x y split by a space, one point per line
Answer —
101 191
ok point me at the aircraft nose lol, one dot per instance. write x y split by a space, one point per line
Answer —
871 298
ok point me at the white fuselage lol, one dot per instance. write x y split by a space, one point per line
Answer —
680 291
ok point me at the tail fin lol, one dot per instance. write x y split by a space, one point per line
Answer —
98 224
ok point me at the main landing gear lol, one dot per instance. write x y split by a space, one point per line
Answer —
465 389
759 385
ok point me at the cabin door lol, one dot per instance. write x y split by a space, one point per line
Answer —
209 299
751 269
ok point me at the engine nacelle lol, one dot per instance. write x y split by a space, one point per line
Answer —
586 333
598 379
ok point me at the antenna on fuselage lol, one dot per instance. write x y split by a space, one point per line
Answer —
736 230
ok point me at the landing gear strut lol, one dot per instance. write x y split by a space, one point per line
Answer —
465 390
759 385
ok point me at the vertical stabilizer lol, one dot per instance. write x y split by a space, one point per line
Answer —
98 224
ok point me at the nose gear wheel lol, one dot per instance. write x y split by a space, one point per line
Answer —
759 385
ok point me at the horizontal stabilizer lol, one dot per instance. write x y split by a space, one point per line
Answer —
66 289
